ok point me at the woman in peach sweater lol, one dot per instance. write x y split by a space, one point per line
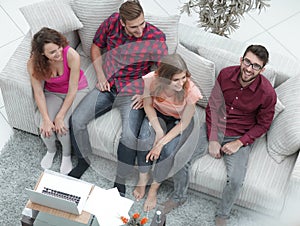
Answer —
169 102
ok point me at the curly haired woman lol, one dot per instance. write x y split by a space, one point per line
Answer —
58 85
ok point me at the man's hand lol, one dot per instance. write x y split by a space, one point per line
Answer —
137 102
103 86
232 147
214 149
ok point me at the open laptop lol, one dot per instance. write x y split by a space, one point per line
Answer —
60 192
54 202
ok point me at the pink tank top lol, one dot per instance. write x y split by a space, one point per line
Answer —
60 84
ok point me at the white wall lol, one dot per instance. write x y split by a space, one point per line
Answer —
276 27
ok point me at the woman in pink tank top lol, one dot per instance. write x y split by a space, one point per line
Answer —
58 85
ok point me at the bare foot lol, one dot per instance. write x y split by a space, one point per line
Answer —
140 189
139 192
150 202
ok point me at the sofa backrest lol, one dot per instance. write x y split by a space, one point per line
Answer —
200 41
73 38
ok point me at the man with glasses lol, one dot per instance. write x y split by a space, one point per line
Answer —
131 46
240 109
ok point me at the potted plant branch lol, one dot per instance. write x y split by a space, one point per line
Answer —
222 17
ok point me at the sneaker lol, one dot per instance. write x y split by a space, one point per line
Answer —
170 204
220 221
121 188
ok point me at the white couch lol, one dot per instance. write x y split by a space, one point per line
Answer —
274 166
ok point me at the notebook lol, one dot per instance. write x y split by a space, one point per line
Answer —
60 192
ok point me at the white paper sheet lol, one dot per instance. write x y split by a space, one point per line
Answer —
108 206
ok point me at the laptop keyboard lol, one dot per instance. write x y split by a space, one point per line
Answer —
62 195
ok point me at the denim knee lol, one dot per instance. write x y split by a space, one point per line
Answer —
167 151
76 121
235 182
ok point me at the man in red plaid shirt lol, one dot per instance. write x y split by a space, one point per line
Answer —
132 47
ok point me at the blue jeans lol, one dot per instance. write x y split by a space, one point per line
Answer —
236 166
181 178
95 104
145 143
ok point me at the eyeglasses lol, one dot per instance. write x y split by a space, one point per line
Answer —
255 66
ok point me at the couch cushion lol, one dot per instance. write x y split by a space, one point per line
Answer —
55 14
105 134
192 38
168 25
202 70
16 89
279 107
284 134
265 183
92 13
223 58
88 68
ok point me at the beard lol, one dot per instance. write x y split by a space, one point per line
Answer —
250 79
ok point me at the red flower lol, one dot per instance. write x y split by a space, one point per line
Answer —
124 220
144 220
136 216
134 220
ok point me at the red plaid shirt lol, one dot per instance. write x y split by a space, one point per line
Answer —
128 58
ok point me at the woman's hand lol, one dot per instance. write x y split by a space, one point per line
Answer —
47 128
154 152
137 101
157 146
60 127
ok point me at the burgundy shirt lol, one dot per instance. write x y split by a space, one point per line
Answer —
246 112
128 58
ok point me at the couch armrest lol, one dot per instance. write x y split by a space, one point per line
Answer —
294 183
290 211
16 89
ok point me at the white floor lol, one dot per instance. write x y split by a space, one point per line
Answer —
276 28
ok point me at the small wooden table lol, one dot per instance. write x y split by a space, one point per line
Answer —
40 215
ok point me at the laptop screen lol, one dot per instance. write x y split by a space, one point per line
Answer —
61 192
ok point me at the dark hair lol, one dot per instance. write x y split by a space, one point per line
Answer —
169 66
130 10
260 51
41 66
